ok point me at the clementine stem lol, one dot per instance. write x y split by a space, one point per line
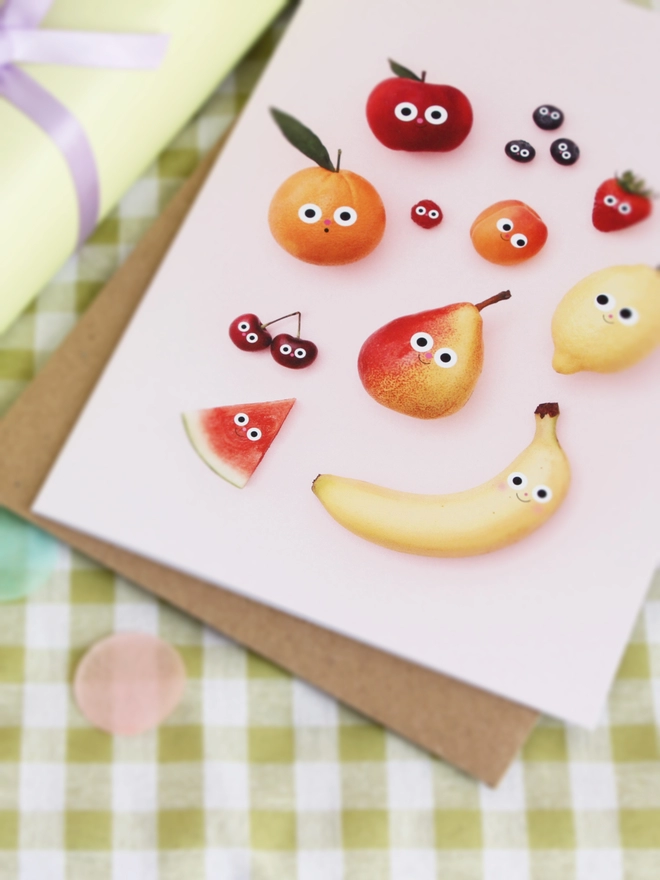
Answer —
338 159
505 294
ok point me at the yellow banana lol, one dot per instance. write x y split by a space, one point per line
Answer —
499 512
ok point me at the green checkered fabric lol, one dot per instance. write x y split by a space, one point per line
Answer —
257 776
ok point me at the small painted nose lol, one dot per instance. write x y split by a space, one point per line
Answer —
506 236
420 120
428 355
610 316
328 222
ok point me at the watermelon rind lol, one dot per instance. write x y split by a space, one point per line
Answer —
197 436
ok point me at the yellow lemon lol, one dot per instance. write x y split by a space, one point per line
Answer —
608 321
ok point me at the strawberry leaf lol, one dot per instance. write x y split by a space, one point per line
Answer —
400 70
303 139
633 185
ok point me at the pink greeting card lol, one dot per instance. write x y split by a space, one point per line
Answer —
543 621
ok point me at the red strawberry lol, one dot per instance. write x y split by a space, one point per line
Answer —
621 202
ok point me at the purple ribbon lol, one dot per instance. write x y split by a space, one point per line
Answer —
21 40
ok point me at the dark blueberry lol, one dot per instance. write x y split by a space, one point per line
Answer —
548 117
564 151
520 151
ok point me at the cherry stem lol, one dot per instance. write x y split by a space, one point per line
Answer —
505 294
338 159
290 315
423 76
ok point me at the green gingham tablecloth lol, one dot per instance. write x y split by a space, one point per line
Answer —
257 776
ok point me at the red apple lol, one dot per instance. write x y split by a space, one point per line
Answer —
248 333
407 113
293 352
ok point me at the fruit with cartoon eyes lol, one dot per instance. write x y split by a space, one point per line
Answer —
520 151
621 202
323 215
608 321
426 214
293 352
548 117
564 151
427 364
499 512
248 333
508 232
232 440
407 113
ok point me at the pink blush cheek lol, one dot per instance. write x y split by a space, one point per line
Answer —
502 486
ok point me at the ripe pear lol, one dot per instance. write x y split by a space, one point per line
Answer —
427 364
609 321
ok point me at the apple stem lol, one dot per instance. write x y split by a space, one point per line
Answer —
423 76
290 315
505 294
338 159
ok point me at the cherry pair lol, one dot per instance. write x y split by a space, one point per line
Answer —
249 334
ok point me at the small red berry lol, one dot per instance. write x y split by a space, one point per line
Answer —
621 202
426 214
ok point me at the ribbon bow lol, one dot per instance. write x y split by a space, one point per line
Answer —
21 40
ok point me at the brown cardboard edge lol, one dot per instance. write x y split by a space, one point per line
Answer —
473 729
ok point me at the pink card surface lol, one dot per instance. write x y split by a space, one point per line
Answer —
543 622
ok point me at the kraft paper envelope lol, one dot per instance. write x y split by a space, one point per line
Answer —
470 728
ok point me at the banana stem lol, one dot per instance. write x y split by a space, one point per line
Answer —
546 428
505 294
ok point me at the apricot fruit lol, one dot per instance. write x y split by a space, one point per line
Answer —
508 233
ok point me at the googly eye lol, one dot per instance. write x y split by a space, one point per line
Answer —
542 494
610 201
300 353
345 216
433 214
244 326
519 240
445 357
524 153
241 419
285 349
420 210
252 338
421 342
436 114
254 434
310 213
405 111
628 316
566 155
555 115
514 148
505 225
562 147
605 302
624 208
516 480
543 111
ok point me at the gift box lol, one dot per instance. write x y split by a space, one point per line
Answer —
90 92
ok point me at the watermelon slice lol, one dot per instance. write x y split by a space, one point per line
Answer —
232 440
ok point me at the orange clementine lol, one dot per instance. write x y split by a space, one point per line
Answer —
327 217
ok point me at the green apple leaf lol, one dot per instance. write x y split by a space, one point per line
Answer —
303 139
400 70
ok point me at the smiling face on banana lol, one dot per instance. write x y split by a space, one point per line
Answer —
499 512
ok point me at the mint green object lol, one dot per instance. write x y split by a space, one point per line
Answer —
27 557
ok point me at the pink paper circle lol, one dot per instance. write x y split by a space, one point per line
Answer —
129 683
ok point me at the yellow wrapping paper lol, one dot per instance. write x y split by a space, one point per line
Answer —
128 117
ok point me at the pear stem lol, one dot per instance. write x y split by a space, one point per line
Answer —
290 315
505 294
